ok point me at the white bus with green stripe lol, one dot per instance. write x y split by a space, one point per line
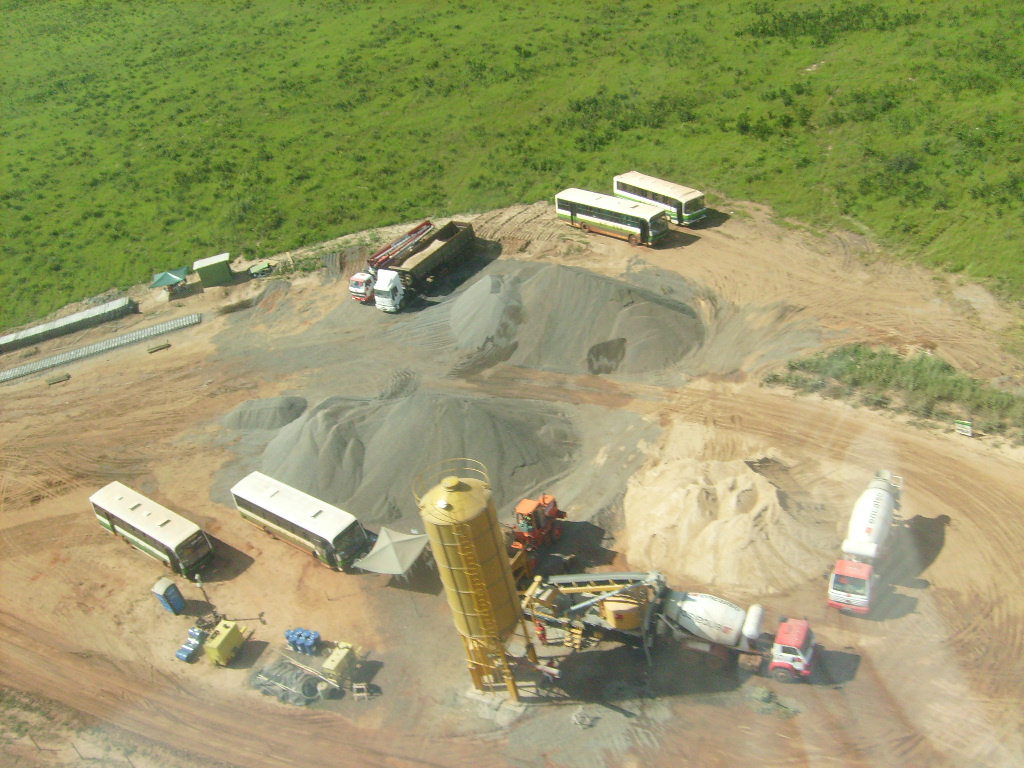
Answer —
639 223
683 205
152 529
331 535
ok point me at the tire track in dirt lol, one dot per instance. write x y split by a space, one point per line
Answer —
524 225
60 532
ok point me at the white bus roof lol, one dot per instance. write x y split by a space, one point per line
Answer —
660 186
308 512
144 514
616 204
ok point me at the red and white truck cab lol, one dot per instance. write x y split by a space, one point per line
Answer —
794 652
850 585
360 287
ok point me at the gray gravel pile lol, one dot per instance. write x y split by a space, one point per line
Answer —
573 321
363 455
272 413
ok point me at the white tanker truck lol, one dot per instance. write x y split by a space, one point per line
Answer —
866 545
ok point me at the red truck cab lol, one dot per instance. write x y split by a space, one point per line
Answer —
360 286
794 652
849 586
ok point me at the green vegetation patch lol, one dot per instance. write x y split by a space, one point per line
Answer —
922 385
139 137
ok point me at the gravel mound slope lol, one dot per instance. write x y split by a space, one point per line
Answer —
573 321
364 455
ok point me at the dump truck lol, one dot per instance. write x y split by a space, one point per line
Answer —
360 286
854 578
442 251
723 631
637 608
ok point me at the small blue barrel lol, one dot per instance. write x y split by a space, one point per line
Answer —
314 643
169 595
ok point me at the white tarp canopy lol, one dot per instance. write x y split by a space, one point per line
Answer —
394 552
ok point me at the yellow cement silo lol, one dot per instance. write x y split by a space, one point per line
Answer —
468 546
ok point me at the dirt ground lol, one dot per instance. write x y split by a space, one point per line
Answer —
936 678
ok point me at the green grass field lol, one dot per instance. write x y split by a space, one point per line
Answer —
921 385
141 136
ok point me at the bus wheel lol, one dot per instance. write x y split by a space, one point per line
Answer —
584 226
634 240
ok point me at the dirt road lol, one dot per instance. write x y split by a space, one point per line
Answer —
937 678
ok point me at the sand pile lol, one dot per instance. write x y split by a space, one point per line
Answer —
363 455
272 413
718 523
573 321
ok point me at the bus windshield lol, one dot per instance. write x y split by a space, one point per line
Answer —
350 544
193 548
659 226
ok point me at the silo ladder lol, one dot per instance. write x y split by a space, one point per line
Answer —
481 602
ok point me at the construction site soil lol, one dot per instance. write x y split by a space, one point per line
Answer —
624 380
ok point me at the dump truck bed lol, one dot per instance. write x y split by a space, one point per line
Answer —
448 242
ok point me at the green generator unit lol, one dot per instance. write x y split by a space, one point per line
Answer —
214 270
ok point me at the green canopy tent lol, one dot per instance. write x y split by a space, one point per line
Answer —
170 277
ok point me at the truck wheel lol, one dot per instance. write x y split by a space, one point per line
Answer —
634 240
584 226
783 675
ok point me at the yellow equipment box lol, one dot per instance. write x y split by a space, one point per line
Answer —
224 642
339 664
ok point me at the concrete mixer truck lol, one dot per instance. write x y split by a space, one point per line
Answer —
851 586
636 608
711 625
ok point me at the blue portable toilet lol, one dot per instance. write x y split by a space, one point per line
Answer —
169 595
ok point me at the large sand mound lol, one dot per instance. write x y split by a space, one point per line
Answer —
573 321
363 455
718 523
